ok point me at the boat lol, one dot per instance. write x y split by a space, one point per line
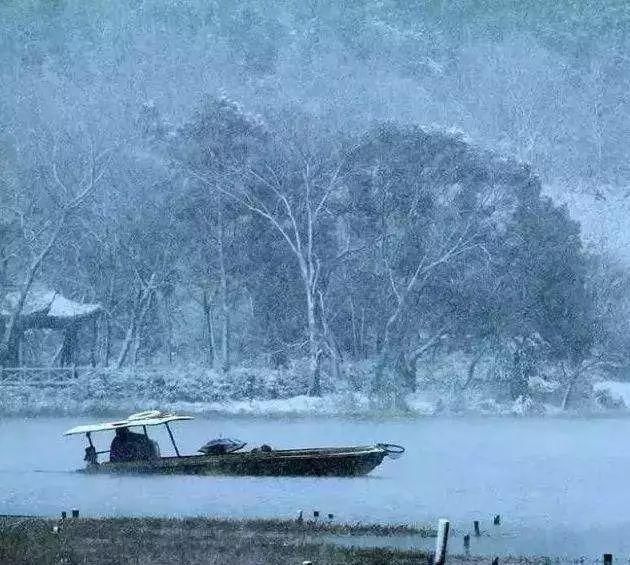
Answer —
228 457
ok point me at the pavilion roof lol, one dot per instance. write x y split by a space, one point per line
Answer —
45 308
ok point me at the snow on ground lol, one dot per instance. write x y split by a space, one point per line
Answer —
339 404
258 391
327 405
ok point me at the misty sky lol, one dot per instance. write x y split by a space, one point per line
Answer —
548 84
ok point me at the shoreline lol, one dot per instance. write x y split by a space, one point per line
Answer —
258 392
197 540
301 406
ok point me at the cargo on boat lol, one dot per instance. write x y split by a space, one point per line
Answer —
137 453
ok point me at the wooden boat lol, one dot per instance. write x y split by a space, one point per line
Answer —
326 461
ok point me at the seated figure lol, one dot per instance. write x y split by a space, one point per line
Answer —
130 446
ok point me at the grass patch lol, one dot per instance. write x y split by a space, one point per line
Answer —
144 541
197 541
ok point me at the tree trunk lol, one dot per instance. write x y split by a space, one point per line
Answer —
355 334
135 320
407 370
518 382
379 371
93 340
471 370
168 326
207 312
362 347
384 351
225 326
225 309
137 341
108 340
570 386
12 357
126 346
315 389
330 340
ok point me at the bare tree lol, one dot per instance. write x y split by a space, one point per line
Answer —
300 231
442 249
42 239
138 315
292 195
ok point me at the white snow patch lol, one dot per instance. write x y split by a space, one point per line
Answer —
538 385
618 390
420 405
302 405
63 308
46 302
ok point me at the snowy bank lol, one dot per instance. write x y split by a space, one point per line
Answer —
261 391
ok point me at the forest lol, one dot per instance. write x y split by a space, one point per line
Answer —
318 185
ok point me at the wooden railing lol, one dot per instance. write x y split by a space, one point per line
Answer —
39 376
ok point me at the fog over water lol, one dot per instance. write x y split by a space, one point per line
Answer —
559 484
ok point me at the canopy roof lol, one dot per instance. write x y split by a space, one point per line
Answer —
150 418
45 308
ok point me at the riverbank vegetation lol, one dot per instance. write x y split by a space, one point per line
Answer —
274 250
155 541
191 541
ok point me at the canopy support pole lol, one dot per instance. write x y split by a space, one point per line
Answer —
91 456
170 433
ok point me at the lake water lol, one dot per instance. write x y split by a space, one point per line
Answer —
560 485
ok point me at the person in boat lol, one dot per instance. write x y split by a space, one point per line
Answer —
130 446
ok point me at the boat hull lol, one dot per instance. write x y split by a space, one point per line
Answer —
340 462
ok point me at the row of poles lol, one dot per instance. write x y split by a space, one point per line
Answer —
316 515
441 542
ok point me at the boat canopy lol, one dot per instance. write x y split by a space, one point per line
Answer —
149 418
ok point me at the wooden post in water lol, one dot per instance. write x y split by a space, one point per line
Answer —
476 526
75 513
441 542
497 520
608 559
467 544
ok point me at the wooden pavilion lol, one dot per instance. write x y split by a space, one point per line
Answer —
47 309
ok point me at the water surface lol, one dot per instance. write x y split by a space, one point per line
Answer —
560 485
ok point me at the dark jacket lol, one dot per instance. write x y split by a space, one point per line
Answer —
130 446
